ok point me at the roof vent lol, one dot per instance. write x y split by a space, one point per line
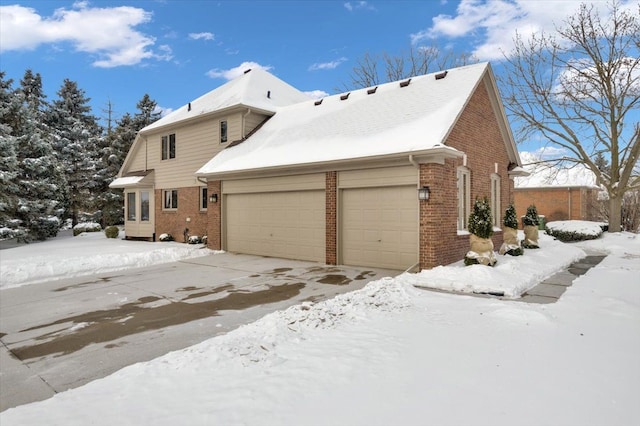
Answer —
441 75
189 107
405 83
316 103
372 91
247 71
345 97
269 94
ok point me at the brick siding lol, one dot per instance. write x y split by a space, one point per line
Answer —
558 203
331 218
174 221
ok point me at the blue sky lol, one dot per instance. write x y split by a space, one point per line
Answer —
177 50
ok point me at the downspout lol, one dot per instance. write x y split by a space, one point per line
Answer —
413 162
146 154
244 116
200 180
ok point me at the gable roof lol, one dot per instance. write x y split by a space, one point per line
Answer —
255 88
395 118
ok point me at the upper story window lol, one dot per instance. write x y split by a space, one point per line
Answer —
223 131
464 197
495 199
169 146
170 201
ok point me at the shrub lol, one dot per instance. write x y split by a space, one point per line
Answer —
112 232
44 227
531 218
580 231
510 218
165 237
194 239
86 227
480 219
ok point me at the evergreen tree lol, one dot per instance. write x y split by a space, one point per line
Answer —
531 218
148 112
480 219
510 218
8 158
75 141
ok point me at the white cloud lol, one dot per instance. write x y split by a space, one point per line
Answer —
316 94
237 71
327 65
495 22
162 110
358 5
108 33
202 36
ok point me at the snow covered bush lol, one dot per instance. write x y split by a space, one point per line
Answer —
574 230
165 237
86 227
481 229
531 222
112 232
511 245
204 240
44 227
194 239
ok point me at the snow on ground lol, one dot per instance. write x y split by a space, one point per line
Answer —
394 354
87 253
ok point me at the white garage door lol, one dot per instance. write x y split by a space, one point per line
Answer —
277 224
379 227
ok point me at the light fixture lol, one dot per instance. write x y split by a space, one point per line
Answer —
213 198
423 193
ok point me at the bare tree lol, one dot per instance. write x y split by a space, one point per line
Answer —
371 70
579 89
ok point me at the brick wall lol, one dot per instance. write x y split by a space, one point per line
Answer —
174 221
331 218
214 217
477 134
558 203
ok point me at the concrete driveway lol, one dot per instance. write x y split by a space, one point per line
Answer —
62 334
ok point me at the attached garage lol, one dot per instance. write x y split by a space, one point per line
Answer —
277 217
379 224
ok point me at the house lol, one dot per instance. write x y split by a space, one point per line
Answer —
557 193
383 176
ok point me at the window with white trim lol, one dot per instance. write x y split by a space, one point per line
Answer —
170 199
144 206
495 199
223 131
169 146
203 198
464 197
131 206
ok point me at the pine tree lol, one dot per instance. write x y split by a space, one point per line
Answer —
480 219
510 219
531 218
75 142
148 112
8 158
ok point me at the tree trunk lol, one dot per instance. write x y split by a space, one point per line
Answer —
615 213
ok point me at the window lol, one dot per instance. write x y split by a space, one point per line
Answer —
223 131
131 206
169 146
144 206
495 199
464 197
203 198
170 199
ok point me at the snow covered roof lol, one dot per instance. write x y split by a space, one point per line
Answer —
392 118
130 180
544 174
256 88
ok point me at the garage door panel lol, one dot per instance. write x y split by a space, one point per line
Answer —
379 227
278 224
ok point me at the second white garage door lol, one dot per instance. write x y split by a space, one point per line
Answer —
379 227
278 224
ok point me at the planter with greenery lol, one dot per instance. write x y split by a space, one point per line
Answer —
511 244
481 229
531 222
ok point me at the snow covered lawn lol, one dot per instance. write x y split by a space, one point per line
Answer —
394 354
87 253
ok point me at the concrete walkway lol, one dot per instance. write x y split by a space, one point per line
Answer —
62 334
550 290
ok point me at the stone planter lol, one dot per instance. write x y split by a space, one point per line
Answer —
530 237
511 244
481 251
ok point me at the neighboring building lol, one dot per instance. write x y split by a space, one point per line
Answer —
557 193
335 180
